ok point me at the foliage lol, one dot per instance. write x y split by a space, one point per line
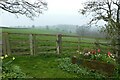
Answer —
66 65
9 70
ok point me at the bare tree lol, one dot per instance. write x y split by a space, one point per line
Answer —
108 11
24 7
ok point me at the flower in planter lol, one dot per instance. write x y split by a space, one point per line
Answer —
86 54
98 50
93 52
113 56
109 54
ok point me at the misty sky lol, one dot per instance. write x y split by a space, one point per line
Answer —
59 12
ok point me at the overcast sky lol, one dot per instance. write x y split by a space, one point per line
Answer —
59 12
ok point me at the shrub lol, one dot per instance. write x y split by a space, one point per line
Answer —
9 70
82 72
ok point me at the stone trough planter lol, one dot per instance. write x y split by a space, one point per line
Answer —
103 67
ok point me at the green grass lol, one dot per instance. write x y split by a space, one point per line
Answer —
41 66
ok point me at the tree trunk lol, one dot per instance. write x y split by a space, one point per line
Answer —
118 47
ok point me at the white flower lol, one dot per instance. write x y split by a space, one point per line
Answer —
74 56
114 59
13 58
98 54
89 52
86 54
112 56
80 53
2 57
77 51
6 56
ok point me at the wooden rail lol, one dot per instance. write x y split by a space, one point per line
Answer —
32 42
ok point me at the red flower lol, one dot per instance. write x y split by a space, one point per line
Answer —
109 54
98 50
94 52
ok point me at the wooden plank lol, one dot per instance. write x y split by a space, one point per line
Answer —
50 47
19 33
46 40
34 34
70 41
70 36
46 52
69 47
45 34
19 42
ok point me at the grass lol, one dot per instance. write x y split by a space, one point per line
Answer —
41 66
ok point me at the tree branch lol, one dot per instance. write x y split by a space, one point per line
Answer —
24 7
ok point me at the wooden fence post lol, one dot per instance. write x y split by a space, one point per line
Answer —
6 44
32 44
79 40
59 43
3 44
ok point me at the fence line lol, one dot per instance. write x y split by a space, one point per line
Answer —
32 42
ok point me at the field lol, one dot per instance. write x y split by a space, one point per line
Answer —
45 64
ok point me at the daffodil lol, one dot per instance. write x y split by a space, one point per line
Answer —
2 57
77 51
80 53
114 59
13 58
6 56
